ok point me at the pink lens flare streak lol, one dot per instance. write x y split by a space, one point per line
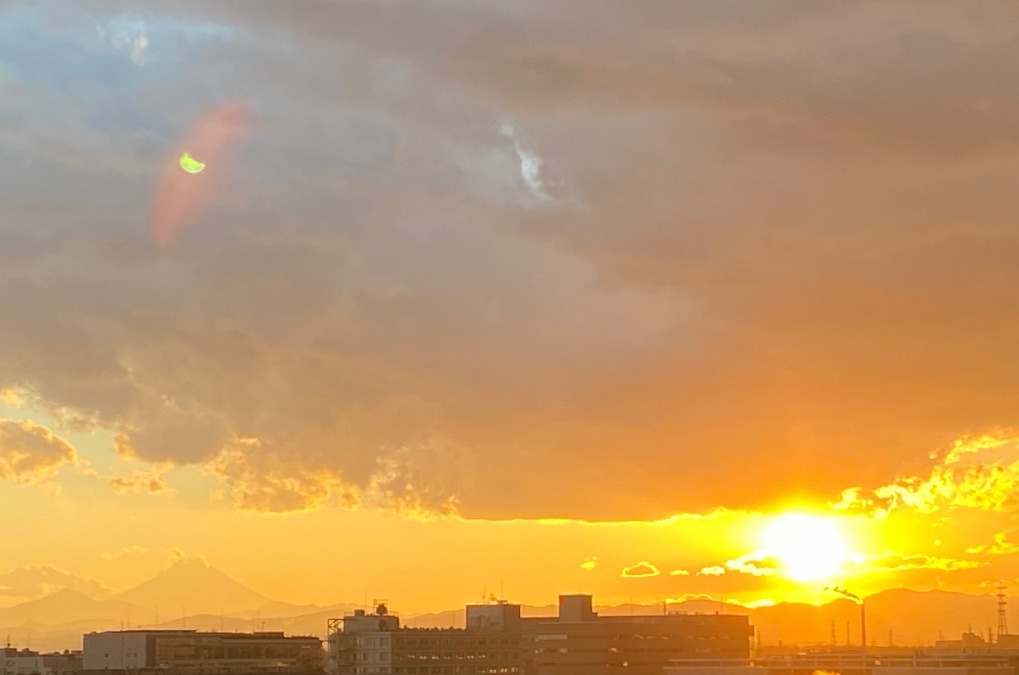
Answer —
181 196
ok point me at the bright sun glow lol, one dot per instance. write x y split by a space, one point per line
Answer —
809 548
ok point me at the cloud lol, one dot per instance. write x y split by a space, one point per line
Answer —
10 397
756 564
898 562
589 564
752 604
150 482
713 571
679 573
641 570
692 597
260 481
176 555
1001 546
960 480
380 274
410 481
127 551
530 164
130 34
31 454
30 583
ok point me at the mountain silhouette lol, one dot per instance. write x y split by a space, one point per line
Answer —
67 606
192 587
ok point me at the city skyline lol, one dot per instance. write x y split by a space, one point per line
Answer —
678 300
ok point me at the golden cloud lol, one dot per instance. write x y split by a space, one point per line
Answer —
959 481
757 564
151 482
1001 546
124 552
31 454
10 397
641 570
256 481
897 562
175 555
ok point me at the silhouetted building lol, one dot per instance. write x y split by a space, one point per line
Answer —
579 642
498 640
66 663
377 644
185 652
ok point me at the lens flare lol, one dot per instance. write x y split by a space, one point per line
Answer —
190 164
180 198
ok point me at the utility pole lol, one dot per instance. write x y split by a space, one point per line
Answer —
1002 617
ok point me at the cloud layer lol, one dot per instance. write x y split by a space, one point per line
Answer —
526 262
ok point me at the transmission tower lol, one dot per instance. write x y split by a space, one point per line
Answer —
1002 618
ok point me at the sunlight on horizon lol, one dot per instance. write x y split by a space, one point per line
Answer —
810 548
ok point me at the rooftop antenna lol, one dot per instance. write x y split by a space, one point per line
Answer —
1002 618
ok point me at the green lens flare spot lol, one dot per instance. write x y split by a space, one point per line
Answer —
190 164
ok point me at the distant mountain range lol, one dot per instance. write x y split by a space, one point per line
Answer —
192 594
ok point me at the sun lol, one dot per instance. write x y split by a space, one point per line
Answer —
809 548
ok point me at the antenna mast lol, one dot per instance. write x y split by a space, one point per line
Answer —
1002 618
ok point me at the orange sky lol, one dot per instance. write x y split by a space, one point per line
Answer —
525 297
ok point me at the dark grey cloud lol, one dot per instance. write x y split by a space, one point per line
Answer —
526 259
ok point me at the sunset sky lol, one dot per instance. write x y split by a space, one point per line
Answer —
650 300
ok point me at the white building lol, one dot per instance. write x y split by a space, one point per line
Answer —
13 662
115 650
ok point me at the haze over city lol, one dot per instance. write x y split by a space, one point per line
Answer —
657 301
